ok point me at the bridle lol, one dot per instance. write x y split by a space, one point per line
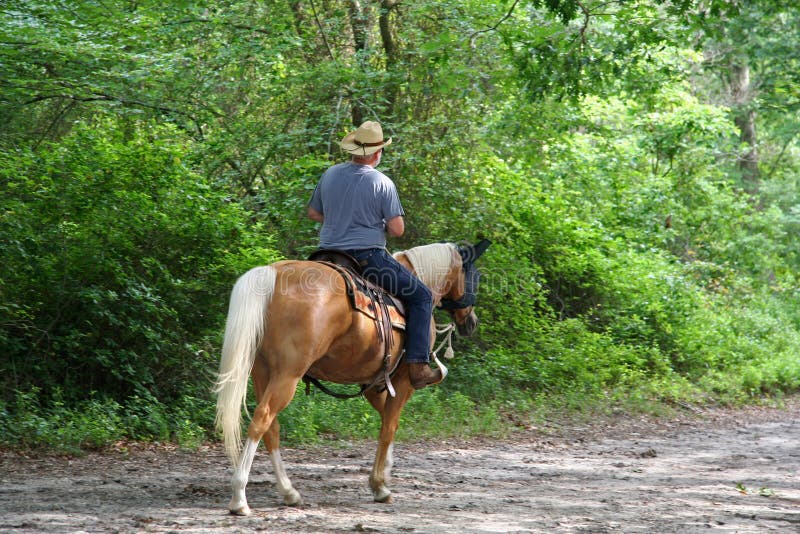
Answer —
469 254
471 278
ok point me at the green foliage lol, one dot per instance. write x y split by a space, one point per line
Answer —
117 260
91 423
28 421
456 414
150 153
311 417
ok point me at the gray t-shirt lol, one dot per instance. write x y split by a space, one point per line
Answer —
356 201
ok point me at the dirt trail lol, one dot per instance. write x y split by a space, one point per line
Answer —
720 470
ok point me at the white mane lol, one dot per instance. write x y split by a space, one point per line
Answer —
432 263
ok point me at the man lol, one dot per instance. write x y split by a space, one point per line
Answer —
357 206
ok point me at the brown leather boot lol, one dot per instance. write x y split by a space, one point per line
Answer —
422 375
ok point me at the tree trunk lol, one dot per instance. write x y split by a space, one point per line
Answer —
390 49
360 24
299 17
745 120
307 26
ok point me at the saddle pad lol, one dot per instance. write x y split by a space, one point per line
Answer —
358 293
364 304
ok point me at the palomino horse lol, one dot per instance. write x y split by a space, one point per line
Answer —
294 317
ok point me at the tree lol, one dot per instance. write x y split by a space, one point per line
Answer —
750 47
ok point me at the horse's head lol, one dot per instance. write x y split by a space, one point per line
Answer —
463 290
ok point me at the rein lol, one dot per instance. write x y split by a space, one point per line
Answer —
448 329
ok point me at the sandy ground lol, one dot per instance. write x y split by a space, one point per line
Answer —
715 470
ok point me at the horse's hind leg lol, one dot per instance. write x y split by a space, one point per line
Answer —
272 441
238 504
275 397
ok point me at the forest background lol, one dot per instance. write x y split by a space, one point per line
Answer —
636 165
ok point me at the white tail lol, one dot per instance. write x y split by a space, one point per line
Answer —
244 331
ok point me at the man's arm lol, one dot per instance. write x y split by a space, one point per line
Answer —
314 215
395 226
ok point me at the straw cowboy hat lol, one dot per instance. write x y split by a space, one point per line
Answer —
367 140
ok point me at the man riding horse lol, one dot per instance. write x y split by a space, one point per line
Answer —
357 206
293 319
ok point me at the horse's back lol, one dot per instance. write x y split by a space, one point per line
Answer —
309 310
308 296
308 284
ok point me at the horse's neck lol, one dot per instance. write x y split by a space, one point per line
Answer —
431 264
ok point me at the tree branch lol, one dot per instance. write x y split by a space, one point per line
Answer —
230 24
54 122
780 155
493 28
101 97
322 30
587 14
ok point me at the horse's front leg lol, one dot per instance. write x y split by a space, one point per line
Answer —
389 408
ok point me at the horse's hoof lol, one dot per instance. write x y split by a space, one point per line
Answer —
242 510
293 498
383 495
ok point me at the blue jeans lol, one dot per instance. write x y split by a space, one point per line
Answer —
383 270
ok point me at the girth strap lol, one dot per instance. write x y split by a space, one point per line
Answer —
311 380
384 325
379 382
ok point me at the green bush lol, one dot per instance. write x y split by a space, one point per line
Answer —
116 261
33 421
628 264
89 424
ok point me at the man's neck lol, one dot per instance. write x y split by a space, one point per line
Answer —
370 161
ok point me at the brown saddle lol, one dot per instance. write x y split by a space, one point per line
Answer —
336 257
364 296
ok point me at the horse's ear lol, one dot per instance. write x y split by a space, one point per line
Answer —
470 253
480 248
